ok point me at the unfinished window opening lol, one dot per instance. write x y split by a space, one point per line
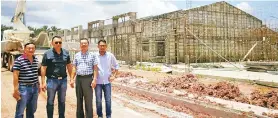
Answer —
145 48
160 49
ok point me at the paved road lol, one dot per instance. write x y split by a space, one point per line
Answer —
8 103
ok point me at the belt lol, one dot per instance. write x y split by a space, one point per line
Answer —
29 85
54 77
90 75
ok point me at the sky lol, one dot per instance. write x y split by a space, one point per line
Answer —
66 14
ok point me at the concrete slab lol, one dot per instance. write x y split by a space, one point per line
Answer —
242 106
245 75
153 107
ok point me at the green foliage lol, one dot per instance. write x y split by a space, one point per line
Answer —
115 17
36 30
147 68
4 27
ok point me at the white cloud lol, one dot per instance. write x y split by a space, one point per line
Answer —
67 14
245 7
6 20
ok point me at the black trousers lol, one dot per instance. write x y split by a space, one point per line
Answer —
84 91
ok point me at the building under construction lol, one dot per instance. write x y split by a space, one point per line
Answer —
211 33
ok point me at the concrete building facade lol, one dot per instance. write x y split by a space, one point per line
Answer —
210 33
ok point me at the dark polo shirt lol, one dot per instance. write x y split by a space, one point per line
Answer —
56 63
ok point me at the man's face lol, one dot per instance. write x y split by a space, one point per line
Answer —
30 49
57 43
102 46
84 44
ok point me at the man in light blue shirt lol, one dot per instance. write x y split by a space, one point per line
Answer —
108 68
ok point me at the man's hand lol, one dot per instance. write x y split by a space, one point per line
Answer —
40 89
16 95
72 83
43 87
111 78
94 83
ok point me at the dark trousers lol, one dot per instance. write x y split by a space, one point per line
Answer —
106 88
55 85
84 90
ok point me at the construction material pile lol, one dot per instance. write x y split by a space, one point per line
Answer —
126 74
269 99
126 77
224 90
189 82
175 83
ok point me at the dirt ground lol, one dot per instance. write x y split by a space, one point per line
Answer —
9 103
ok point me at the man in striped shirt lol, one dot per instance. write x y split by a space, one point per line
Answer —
85 71
26 84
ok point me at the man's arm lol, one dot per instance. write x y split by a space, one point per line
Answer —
72 76
115 65
73 72
16 70
69 65
43 72
95 67
15 81
95 72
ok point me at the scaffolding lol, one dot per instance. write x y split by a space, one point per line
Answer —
212 33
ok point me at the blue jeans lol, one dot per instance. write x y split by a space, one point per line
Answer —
55 85
29 97
107 96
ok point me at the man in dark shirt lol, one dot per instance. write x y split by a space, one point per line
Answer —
55 62
26 84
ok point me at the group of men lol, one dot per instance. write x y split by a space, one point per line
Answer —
88 71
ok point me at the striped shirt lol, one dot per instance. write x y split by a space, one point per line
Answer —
84 63
28 73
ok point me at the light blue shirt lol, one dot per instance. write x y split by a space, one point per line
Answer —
107 62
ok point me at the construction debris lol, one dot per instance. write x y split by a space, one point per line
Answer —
269 99
125 74
275 115
223 90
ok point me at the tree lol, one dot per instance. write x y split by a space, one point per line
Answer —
36 30
4 27
45 28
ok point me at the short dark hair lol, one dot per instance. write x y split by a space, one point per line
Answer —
84 39
101 40
29 44
56 37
